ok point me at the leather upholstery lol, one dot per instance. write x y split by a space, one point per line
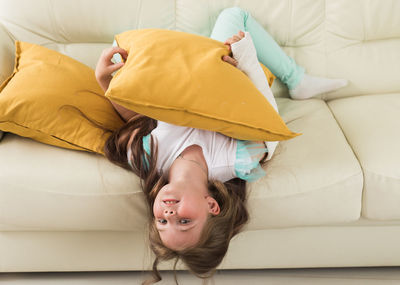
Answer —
69 205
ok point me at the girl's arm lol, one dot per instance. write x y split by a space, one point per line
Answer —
245 54
104 70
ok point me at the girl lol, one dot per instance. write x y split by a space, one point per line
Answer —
194 180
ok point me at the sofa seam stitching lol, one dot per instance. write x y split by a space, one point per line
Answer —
320 188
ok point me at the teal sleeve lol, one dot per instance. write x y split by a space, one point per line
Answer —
146 143
146 147
247 164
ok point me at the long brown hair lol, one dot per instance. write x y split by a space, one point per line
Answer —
208 253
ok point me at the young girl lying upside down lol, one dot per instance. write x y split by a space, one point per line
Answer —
194 180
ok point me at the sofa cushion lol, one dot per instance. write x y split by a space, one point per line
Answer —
180 78
65 190
371 125
311 180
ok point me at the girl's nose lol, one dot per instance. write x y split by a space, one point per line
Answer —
169 212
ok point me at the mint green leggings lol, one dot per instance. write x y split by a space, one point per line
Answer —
231 20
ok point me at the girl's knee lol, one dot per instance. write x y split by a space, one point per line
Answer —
229 22
234 12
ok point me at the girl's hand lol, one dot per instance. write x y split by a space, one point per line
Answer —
105 67
228 42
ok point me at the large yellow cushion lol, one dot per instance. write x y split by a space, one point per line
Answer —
181 79
48 96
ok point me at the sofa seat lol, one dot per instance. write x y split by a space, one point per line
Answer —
366 122
312 180
56 194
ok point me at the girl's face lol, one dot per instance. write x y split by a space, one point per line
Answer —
180 213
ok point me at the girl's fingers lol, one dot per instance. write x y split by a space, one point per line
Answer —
228 41
230 60
114 67
236 38
108 53
122 52
233 39
228 46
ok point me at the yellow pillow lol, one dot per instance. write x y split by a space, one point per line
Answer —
181 79
48 96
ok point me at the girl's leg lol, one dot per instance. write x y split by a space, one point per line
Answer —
301 85
233 20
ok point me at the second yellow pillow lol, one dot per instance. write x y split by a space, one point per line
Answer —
56 100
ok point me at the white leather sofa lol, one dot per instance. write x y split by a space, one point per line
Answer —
331 197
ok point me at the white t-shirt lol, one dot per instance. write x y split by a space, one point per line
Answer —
219 150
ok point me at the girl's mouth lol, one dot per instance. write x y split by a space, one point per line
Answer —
170 201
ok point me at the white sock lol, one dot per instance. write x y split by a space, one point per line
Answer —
310 86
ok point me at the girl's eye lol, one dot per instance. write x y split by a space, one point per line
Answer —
184 221
162 221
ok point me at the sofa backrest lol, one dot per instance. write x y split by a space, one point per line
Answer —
358 40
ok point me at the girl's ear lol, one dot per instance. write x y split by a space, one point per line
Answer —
213 207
